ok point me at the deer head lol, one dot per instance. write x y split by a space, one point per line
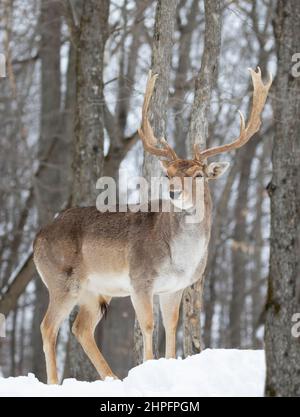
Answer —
197 169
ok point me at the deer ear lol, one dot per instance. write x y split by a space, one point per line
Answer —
216 169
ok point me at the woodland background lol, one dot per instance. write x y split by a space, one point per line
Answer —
70 107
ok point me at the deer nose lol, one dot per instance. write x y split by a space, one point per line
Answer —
175 194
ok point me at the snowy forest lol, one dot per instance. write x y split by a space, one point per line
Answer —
72 86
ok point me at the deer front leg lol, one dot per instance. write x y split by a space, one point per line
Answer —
143 306
169 306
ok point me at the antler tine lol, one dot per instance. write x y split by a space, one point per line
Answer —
146 132
260 93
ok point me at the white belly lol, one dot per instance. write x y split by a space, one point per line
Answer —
113 285
175 274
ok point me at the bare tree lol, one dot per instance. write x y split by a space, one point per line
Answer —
161 64
231 258
117 341
48 192
89 28
283 300
38 113
198 133
186 31
89 36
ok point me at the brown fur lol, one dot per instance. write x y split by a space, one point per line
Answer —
85 257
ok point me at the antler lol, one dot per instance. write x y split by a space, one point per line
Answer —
260 93
146 132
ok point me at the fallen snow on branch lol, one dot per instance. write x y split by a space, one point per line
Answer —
214 372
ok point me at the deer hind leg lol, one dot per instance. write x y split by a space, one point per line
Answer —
169 306
143 305
59 308
89 315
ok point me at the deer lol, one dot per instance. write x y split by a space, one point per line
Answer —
85 256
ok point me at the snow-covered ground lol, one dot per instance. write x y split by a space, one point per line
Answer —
219 372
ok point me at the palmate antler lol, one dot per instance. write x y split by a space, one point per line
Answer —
260 93
150 142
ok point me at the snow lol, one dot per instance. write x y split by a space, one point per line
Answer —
214 372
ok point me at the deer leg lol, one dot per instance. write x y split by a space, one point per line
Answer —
169 306
59 308
143 306
83 328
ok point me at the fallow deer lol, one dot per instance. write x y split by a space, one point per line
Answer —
86 257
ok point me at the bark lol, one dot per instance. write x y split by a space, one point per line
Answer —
240 247
48 193
89 37
198 133
283 299
185 43
161 65
68 124
213 253
88 156
116 155
206 79
17 285
117 341
115 124
22 342
240 252
116 336
257 280
18 281
13 343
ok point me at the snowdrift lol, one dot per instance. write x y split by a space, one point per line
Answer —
214 372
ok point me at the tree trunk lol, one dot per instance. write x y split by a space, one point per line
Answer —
185 44
198 132
212 267
283 300
116 336
240 249
89 38
88 156
257 298
161 65
117 341
48 193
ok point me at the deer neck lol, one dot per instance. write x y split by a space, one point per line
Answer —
193 220
185 246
